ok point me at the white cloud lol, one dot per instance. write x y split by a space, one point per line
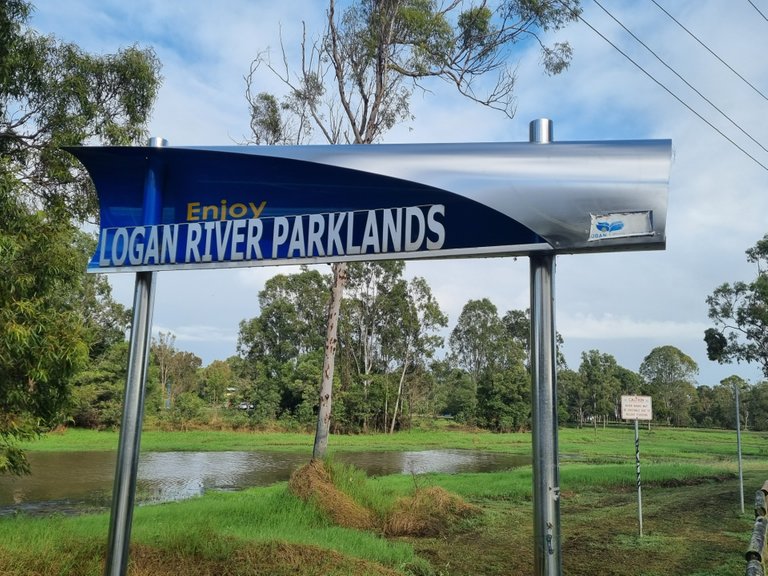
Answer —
610 326
623 303
197 333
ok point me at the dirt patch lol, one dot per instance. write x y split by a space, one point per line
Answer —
267 559
681 482
313 483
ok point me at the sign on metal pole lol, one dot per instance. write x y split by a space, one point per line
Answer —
220 207
267 205
637 408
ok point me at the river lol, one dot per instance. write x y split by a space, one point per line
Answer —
74 482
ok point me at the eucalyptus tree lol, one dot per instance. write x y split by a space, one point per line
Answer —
758 403
670 377
572 397
410 336
518 326
599 373
217 380
96 394
375 294
178 369
52 94
740 314
291 319
478 341
504 395
356 79
290 327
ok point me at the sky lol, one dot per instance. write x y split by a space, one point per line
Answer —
623 304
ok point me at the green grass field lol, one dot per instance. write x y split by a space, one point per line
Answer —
692 525
610 444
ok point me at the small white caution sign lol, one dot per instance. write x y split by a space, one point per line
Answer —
636 408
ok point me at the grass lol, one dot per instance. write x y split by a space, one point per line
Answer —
600 446
690 503
210 531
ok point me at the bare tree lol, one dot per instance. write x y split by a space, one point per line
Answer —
355 80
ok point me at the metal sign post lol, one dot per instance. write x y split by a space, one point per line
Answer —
124 489
738 446
546 468
225 207
637 408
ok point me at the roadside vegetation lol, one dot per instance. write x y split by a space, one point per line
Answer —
691 525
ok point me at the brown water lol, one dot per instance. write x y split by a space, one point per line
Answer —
72 482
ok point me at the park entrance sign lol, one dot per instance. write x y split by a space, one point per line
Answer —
164 208
251 206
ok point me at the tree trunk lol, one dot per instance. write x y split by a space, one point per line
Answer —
326 386
399 396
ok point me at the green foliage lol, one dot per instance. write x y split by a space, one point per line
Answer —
188 408
670 375
598 371
291 320
504 400
475 26
572 397
757 404
177 371
53 94
373 55
740 314
97 391
477 341
52 318
42 337
266 123
217 379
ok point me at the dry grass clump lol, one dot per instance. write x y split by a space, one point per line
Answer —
313 483
267 559
429 512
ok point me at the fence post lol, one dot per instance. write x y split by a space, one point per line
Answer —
755 554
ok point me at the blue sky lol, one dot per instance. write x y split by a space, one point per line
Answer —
623 304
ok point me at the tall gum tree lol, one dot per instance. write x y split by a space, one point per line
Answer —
670 377
739 311
52 94
356 78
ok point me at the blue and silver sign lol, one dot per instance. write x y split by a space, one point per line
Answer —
251 206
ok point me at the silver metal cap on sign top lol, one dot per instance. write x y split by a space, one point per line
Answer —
157 142
540 131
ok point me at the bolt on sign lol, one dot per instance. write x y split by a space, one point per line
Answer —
266 205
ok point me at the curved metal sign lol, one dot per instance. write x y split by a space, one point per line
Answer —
251 206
